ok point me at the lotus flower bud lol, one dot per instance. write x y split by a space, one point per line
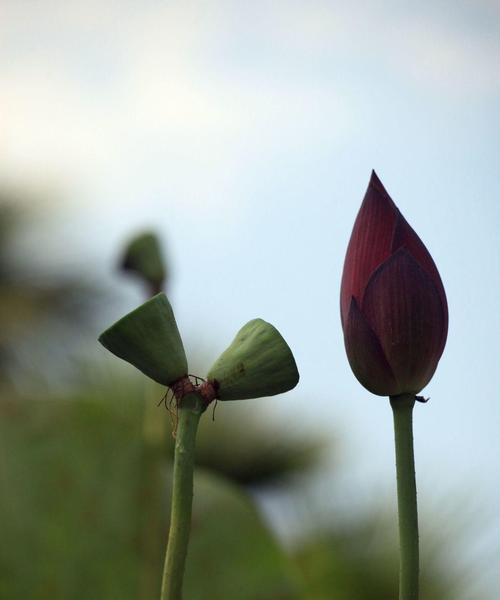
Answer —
148 338
143 257
257 363
392 301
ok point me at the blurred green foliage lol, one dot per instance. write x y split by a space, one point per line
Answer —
41 311
84 507
361 561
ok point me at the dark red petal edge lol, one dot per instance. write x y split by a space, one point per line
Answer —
404 308
369 244
366 356
405 236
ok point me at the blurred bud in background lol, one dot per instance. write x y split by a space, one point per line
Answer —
143 257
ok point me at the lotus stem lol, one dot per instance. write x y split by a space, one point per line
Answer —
190 410
402 408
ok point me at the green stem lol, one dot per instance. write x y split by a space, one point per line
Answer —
182 497
402 407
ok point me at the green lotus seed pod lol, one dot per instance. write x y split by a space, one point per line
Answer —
257 363
148 338
143 257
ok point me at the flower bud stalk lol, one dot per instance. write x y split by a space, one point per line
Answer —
402 408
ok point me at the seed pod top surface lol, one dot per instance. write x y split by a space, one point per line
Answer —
257 363
148 338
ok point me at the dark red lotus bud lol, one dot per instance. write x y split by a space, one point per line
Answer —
392 301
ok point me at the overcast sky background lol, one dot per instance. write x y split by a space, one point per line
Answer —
245 134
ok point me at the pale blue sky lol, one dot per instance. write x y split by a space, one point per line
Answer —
245 133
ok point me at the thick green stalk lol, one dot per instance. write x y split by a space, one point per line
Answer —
182 496
402 407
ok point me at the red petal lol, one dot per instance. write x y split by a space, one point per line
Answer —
405 310
370 242
366 356
404 235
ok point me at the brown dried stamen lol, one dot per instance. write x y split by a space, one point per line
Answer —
182 387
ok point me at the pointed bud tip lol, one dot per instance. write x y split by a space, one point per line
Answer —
377 184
